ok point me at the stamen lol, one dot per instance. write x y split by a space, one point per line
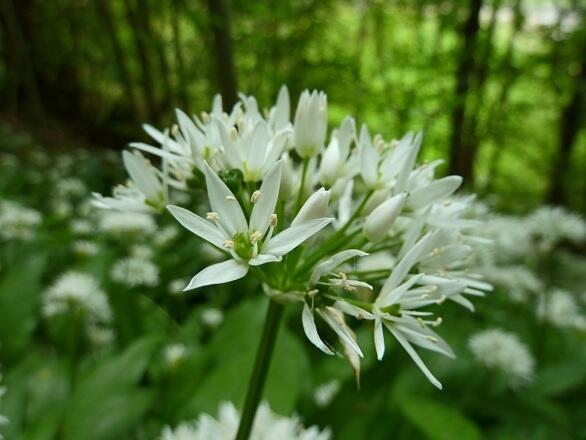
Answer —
313 292
274 220
437 322
213 216
421 322
230 198
205 117
431 338
441 300
228 244
234 134
255 236
254 197
175 130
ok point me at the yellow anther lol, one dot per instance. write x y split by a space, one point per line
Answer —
213 216
254 197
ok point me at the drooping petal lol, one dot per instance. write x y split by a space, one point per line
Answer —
290 238
379 339
142 174
413 354
267 200
310 330
335 320
229 270
200 227
334 261
224 203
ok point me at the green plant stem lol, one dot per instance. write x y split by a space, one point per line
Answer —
300 198
261 368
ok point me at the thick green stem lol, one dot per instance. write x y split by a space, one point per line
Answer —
261 368
300 194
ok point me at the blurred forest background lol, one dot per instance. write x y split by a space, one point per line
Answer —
498 85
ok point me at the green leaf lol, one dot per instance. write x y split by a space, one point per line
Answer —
436 420
561 378
20 289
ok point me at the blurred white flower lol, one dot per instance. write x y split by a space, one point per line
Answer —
18 222
174 353
85 248
122 223
325 393
267 426
503 351
134 272
561 309
165 235
550 225
70 187
82 227
176 286
517 281
212 317
141 251
77 291
311 123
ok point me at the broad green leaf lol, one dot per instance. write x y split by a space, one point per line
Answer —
436 420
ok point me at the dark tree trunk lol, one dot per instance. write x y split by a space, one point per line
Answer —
141 42
223 53
571 118
105 12
179 60
461 160
19 60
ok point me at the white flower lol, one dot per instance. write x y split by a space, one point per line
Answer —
82 227
70 187
165 235
126 223
500 350
517 281
18 222
77 291
176 286
325 393
551 225
135 271
381 219
311 123
174 353
561 309
267 426
212 317
85 248
250 243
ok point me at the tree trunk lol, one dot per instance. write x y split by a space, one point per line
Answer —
179 60
223 53
569 128
461 160
141 43
105 12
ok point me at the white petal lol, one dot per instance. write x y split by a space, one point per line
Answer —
142 174
334 261
224 203
200 227
368 158
292 237
316 206
381 219
379 339
219 273
393 296
435 191
267 200
352 310
311 330
263 259
335 320
411 352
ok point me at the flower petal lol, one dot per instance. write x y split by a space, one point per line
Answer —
292 237
267 200
413 354
224 203
200 227
334 261
435 191
310 330
263 259
219 273
335 319
316 206
379 339
142 174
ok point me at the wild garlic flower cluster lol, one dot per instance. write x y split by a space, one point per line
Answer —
79 293
560 308
18 222
503 351
297 206
267 426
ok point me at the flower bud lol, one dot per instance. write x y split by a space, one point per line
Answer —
315 207
380 220
330 163
311 121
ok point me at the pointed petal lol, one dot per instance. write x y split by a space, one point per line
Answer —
219 273
200 227
435 191
292 237
393 296
413 354
379 339
334 261
263 259
265 205
310 330
142 174
316 206
335 320
224 203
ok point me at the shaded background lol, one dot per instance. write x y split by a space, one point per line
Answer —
499 86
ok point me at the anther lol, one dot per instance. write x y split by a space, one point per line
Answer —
254 197
274 220
213 216
228 244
